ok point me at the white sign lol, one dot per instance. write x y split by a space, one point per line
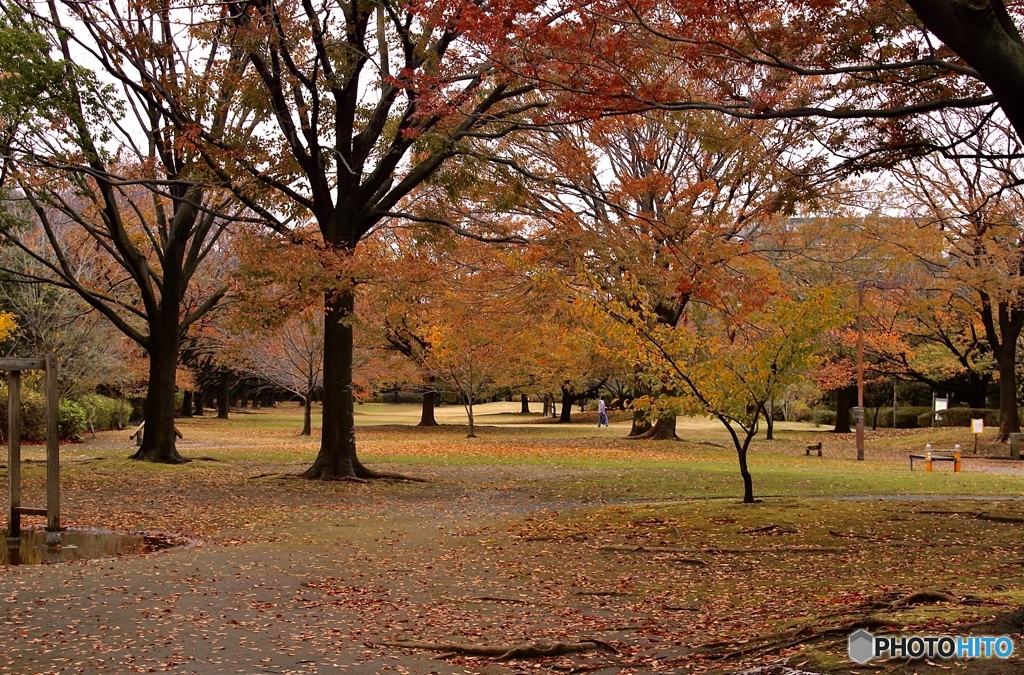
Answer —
941 404
978 426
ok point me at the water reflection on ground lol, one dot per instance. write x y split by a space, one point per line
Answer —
36 547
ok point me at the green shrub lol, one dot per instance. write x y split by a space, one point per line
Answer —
71 420
925 420
907 417
33 414
827 417
801 412
103 412
961 417
71 417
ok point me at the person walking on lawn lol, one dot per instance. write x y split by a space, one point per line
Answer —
602 413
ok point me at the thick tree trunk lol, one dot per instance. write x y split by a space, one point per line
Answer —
641 425
186 404
337 457
524 402
307 415
985 36
843 397
567 401
977 392
199 402
224 397
1002 330
158 438
1009 417
427 411
664 429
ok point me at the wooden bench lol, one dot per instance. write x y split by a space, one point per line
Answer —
928 457
137 434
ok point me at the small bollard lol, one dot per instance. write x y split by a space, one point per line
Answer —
957 457
928 457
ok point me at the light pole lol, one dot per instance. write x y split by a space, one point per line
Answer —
859 411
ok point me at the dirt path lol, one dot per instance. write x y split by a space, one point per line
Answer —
420 562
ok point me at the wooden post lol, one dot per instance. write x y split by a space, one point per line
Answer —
52 447
14 453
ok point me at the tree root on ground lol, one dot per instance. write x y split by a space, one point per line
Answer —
776 642
363 475
509 652
978 515
999 519
770 529
923 598
810 550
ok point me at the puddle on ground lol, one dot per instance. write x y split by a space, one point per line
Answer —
38 547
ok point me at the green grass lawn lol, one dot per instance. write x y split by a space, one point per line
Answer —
580 461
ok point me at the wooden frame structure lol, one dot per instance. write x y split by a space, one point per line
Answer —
14 367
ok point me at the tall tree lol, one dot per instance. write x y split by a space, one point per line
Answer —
652 208
362 102
969 207
113 179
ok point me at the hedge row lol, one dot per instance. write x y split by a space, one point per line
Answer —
906 418
912 417
73 417
959 417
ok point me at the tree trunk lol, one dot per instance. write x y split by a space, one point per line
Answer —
1002 330
567 401
469 414
843 397
641 425
158 438
337 457
307 415
748 482
769 421
224 399
985 36
524 401
199 402
664 429
243 395
186 404
427 411
977 391
1009 417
